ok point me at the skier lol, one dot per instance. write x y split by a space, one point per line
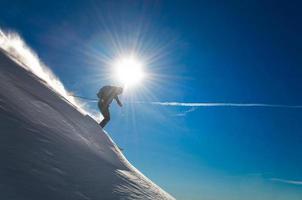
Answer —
106 95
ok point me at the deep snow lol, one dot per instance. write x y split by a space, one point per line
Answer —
51 151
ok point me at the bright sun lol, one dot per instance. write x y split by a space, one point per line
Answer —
129 71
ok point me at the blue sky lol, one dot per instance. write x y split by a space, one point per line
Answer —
197 51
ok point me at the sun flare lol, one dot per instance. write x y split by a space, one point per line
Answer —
129 71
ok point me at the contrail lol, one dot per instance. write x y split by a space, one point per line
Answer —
208 104
182 104
294 182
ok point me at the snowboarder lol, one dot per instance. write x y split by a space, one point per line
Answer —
106 95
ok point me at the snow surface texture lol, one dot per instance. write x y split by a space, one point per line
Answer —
49 150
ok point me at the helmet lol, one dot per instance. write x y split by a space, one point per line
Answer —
120 90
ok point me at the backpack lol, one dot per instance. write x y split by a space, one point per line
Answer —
103 91
100 94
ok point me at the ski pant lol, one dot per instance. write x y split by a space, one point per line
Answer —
105 112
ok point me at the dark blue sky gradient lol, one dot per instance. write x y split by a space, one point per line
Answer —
240 51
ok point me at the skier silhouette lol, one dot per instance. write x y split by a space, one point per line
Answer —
106 95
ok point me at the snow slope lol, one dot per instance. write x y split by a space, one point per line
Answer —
51 151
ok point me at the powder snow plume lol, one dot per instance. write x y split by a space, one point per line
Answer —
18 50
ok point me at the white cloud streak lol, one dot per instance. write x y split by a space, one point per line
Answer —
182 104
192 109
293 182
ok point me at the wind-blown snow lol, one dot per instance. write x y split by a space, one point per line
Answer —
18 50
49 150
